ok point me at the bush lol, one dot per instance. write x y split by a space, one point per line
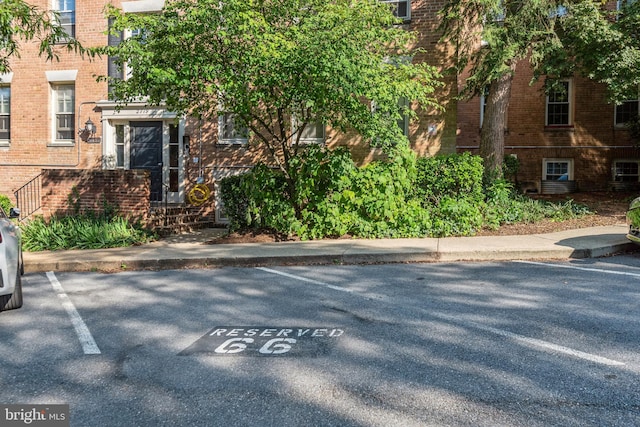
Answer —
88 231
505 206
456 176
402 197
6 203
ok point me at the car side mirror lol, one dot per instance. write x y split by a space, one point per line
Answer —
14 213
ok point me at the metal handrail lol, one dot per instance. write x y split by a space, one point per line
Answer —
28 197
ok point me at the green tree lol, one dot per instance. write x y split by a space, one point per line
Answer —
22 22
558 38
490 37
601 44
343 63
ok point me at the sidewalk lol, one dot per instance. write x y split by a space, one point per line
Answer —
192 251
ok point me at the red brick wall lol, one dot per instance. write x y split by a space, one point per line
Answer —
126 189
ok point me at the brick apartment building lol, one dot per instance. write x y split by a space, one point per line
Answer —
59 130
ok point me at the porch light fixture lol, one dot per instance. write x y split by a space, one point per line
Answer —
88 131
90 127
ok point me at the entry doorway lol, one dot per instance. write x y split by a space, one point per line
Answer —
146 153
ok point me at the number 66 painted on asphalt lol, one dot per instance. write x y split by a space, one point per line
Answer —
238 345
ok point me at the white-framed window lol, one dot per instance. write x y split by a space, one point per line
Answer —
63 111
627 111
313 133
229 132
120 144
557 169
66 10
558 105
400 8
403 122
5 113
626 171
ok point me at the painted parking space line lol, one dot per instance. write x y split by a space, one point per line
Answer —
531 342
574 267
89 345
304 279
534 342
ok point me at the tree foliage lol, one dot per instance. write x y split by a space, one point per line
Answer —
266 61
601 44
559 38
22 22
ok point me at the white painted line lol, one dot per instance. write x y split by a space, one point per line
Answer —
521 338
573 267
304 279
89 345
549 346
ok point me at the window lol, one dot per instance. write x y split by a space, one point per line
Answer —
557 170
559 105
626 112
119 146
229 132
313 133
625 171
174 158
67 16
114 70
5 113
64 107
400 8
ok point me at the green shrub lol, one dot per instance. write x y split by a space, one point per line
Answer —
81 232
401 197
505 206
456 176
6 203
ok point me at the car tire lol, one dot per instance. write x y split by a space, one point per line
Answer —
13 301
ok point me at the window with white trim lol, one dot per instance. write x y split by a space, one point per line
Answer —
626 171
5 113
557 170
66 10
64 111
312 133
558 105
626 112
229 132
400 8
119 144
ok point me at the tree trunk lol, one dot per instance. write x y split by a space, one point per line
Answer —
494 125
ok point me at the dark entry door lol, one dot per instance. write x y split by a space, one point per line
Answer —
146 153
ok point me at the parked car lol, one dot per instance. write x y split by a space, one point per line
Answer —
11 262
633 218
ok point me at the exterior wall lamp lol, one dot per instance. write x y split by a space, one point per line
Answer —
88 131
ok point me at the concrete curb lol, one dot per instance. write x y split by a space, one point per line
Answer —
586 243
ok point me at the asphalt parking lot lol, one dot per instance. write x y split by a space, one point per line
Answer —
461 344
